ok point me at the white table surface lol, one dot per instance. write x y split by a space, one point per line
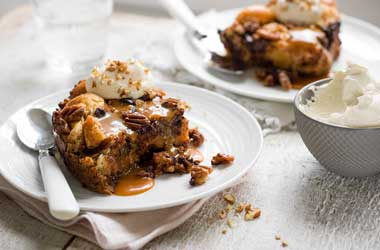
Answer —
311 208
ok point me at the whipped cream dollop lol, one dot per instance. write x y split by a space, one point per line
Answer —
297 11
351 99
118 79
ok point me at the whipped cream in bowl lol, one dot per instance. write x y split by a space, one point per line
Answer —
120 79
350 99
302 12
339 121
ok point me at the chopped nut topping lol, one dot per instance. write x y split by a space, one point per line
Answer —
199 175
284 243
230 223
222 214
284 80
248 207
229 198
252 214
222 159
170 103
73 113
196 138
135 120
240 208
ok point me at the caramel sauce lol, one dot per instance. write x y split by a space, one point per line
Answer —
194 154
132 184
112 123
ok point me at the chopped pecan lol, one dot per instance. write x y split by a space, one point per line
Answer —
284 80
60 125
196 138
240 208
89 101
184 164
73 113
269 81
79 88
170 103
145 173
135 120
164 162
252 214
63 103
199 175
222 159
230 198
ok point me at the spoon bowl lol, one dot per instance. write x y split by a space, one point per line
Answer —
35 132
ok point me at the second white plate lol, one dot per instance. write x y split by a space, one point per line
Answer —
360 40
227 127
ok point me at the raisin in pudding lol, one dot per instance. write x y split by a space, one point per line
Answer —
116 132
290 42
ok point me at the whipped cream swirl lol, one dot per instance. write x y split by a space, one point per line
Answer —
297 11
351 99
120 79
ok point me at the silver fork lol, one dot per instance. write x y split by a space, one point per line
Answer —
205 40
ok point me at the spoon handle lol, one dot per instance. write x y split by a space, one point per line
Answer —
62 203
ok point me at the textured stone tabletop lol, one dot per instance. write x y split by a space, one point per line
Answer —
309 207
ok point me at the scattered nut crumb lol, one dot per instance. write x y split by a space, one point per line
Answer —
229 198
277 237
230 223
252 214
248 207
222 214
284 243
240 208
220 159
224 231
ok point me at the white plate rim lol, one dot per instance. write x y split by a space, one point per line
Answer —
185 200
230 87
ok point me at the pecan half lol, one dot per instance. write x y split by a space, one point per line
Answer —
222 159
135 120
170 103
196 138
60 125
199 175
73 113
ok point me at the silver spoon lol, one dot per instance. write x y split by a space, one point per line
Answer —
207 41
35 132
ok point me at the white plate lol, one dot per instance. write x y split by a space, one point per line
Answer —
227 127
360 41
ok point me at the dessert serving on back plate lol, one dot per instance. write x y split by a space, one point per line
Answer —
290 42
